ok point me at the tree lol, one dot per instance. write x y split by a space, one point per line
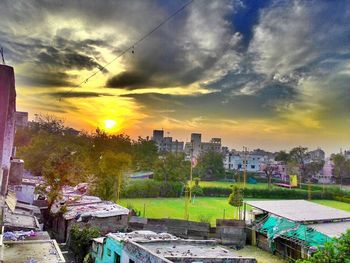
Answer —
341 167
282 156
112 168
337 251
313 168
62 167
210 165
236 199
80 241
299 155
145 154
172 168
269 170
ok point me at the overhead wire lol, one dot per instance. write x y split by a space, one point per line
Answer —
131 47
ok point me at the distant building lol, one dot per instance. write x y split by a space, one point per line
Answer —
196 147
21 119
237 161
326 174
166 144
148 246
316 155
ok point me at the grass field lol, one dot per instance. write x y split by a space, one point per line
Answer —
203 208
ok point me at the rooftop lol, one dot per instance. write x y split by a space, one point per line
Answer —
170 247
43 251
188 249
300 210
99 209
334 229
14 220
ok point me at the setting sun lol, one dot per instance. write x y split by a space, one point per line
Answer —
110 124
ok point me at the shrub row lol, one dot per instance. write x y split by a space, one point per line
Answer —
151 189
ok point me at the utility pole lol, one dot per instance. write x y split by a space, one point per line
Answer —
188 186
245 166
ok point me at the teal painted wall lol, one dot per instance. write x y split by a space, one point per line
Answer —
114 247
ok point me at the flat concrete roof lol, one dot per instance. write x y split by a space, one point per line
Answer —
21 221
174 249
43 251
195 249
300 210
335 229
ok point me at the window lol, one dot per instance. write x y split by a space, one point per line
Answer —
252 166
131 261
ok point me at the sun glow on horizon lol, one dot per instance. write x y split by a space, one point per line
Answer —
110 124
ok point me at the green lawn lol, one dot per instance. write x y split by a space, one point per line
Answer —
335 204
209 208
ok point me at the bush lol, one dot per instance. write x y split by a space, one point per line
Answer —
197 190
266 193
80 241
204 218
152 189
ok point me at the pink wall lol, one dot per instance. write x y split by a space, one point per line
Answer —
7 120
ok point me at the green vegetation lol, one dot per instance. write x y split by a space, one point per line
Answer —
337 251
80 241
212 207
334 204
174 208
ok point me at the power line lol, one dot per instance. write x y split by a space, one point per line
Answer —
131 47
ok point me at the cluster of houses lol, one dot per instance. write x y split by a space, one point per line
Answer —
251 161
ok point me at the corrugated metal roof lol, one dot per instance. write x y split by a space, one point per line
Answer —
300 210
334 229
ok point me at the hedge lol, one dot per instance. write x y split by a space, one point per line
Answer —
266 193
152 189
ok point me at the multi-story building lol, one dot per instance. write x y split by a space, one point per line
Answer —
166 144
316 155
236 161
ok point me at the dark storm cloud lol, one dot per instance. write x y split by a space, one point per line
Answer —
66 59
263 104
129 80
44 78
77 94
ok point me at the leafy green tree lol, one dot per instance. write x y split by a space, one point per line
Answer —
145 154
341 167
172 168
112 167
80 241
210 166
235 199
282 156
337 251
313 168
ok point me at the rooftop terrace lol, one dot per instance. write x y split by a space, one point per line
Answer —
43 251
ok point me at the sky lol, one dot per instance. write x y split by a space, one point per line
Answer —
262 74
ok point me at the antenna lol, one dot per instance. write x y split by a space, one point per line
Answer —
2 55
